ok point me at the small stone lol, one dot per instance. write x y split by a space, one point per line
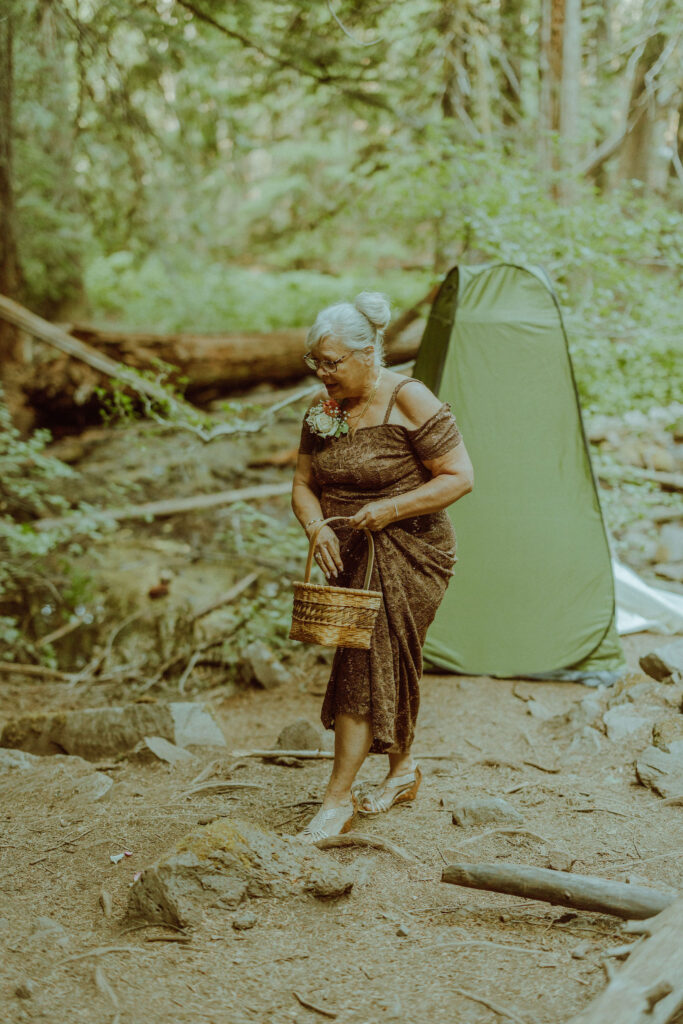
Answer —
670 571
665 664
259 667
166 751
670 543
628 722
26 989
485 810
244 920
581 951
559 859
402 931
660 771
301 735
668 733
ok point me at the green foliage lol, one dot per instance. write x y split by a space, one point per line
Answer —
29 570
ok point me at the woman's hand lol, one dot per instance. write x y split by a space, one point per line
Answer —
327 553
374 516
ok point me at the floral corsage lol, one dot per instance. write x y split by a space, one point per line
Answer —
327 419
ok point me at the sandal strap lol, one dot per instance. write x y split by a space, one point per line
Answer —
327 822
391 788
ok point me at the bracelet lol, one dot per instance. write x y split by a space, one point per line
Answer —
312 521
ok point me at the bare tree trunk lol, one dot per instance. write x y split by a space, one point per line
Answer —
10 275
639 151
569 96
512 47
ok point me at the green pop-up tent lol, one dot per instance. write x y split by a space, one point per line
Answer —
533 593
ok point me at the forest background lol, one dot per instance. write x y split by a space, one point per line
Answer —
211 166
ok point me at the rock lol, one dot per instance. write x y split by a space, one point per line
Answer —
63 782
26 989
537 709
670 543
97 733
302 735
243 920
665 664
402 931
661 771
560 859
668 734
168 752
586 741
259 667
227 862
485 810
628 722
670 571
581 951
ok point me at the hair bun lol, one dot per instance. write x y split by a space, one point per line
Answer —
375 307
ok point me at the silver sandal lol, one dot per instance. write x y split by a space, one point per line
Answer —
397 790
331 822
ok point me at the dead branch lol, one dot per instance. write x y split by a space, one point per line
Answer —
214 788
559 888
13 668
176 506
363 839
228 597
269 755
500 1010
312 1006
354 39
504 832
667 481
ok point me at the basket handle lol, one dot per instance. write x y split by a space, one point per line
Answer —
311 548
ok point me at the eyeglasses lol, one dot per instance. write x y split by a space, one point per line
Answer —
326 365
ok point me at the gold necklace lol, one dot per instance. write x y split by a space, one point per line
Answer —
352 430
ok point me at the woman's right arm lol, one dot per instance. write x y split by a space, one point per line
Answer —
306 508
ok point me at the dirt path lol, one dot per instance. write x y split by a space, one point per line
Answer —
395 949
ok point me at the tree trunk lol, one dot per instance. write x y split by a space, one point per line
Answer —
9 263
639 152
649 988
569 96
512 47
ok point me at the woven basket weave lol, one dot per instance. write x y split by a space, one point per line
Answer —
335 616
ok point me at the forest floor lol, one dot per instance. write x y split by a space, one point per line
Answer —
402 945
540 963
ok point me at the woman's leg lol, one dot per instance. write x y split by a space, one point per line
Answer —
352 741
400 763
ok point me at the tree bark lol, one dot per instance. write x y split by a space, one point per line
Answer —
649 988
569 96
639 150
65 384
9 262
512 46
561 888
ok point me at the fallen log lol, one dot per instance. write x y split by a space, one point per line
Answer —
582 892
672 482
649 988
211 365
16 314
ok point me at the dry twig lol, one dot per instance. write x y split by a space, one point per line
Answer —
500 1010
363 839
312 1006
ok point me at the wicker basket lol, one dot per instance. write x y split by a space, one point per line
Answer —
335 616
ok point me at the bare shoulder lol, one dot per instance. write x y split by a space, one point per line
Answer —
416 403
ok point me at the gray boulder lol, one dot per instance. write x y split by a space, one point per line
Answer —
226 863
100 733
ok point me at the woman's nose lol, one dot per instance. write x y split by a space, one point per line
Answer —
320 373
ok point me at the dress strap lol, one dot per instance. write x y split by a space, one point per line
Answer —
394 393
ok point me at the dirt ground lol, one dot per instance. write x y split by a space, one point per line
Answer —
403 945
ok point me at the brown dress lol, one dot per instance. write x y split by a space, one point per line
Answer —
414 561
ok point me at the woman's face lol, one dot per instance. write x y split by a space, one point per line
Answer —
352 375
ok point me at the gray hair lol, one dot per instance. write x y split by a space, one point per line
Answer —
356 325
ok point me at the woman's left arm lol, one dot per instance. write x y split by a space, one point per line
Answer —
452 474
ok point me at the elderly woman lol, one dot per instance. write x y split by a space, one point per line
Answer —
381 449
